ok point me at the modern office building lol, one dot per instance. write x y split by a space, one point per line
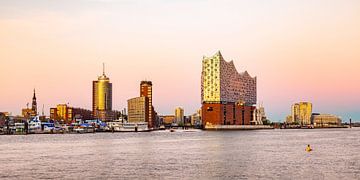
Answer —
179 115
228 97
301 113
146 91
102 98
30 112
138 109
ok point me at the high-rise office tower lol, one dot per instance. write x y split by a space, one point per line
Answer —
146 91
102 97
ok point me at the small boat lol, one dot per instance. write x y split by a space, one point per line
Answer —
19 127
48 127
172 130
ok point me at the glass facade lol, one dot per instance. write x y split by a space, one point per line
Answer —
102 95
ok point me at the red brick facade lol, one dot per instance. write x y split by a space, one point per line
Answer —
227 113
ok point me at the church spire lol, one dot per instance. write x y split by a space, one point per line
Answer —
34 104
34 96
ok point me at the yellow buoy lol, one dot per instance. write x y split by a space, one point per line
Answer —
308 148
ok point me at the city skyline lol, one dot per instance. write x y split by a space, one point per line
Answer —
299 51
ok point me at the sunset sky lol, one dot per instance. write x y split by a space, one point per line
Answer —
300 50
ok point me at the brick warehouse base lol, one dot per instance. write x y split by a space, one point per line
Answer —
226 114
236 127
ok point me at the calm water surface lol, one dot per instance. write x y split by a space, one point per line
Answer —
266 154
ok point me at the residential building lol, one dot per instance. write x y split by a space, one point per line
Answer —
259 116
179 115
301 113
196 118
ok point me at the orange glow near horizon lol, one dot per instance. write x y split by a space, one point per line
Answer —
299 51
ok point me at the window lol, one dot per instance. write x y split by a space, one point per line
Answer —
243 117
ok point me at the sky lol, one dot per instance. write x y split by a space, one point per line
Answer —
300 50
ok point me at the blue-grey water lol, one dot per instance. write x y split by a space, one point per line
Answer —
262 154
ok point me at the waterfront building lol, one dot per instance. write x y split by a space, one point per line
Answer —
179 115
301 113
3 117
289 119
321 120
102 98
67 114
138 110
168 119
196 118
259 116
146 91
220 82
30 112
227 114
228 97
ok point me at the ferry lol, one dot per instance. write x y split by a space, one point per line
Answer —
114 126
118 126
135 127
35 125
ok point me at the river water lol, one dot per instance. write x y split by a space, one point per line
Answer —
261 154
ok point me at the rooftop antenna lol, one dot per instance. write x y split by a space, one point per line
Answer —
104 69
